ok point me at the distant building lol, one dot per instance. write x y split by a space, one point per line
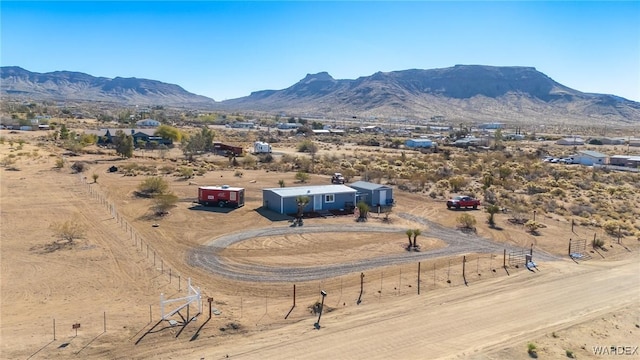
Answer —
570 141
491 126
288 126
632 161
140 136
148 123
607 140
634 142
589 158
418 143
242 125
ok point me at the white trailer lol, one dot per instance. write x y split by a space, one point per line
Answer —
260 147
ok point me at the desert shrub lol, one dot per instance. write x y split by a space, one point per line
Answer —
458 183
69 230
490 197
153 186
492 210
79 166
185 172
533 188
532 226
532 350
582 209
302 176
59 163
597 243
167 169
612 227
466 221
265 158
163 202
249 162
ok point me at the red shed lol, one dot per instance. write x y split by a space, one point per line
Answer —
222 196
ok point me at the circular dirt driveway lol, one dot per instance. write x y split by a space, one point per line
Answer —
458 243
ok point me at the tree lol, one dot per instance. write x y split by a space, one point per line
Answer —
363 210
198 143
64 132
498 137
416 233
301 202
487 180
95 177
409 233
124 144
168 132
492 210
281 183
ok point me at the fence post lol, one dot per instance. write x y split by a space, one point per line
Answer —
418 277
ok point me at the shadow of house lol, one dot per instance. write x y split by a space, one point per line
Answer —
272 215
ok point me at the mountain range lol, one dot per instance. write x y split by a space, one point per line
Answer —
458 93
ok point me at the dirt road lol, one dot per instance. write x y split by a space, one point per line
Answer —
488 317
458 243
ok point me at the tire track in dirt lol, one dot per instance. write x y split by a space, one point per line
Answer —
209 258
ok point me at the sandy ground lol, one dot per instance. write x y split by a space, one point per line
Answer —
110 281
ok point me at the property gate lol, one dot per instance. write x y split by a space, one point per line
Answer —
519 258
578 249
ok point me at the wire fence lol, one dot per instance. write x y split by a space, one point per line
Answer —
263 305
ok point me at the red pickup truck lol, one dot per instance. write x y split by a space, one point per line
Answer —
463 202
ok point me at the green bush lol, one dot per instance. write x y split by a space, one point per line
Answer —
153 186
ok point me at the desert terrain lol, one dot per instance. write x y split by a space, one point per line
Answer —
99 297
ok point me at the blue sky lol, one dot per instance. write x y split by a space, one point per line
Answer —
226 50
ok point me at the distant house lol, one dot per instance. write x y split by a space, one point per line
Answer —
467 141
288 126
589 158
491 126
570 141
634 142
148 123
140 136
321 132
371 129
321 198
373 194
632 161
607 141
242 125
418 143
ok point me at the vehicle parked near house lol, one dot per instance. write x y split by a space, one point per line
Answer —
337 178
222 196
462 202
